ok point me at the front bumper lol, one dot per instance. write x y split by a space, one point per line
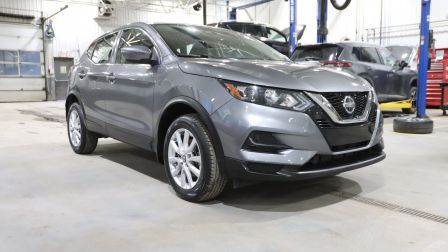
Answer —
306 137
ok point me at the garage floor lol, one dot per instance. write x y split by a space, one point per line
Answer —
117 199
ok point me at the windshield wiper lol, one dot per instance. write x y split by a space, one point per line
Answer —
192 55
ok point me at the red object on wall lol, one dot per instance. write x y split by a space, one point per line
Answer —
437 74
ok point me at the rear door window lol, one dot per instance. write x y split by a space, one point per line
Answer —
366 54
316 53
254 30
234 27
103 49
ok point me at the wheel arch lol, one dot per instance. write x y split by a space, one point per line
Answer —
182 106
413 82
71 98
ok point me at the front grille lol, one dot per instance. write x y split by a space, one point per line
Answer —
319 162
337 100
350 146
323 123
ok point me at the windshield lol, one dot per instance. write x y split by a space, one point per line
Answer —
401 52
207 42
316 53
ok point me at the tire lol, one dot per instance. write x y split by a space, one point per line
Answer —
413 125
88 140
204 185
412 96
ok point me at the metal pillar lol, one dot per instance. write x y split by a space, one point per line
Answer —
322 30
292 24
420 124
204 11
232 13
423 62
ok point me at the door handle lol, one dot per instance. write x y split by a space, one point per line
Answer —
111 78
82 74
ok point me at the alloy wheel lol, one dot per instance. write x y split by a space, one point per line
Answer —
184 158
74 127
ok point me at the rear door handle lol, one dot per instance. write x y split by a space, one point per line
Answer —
82 74
111 78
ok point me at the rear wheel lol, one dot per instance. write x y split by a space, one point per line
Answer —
81 140
412 96
190 160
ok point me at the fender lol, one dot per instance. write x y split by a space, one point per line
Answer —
205 117
77 96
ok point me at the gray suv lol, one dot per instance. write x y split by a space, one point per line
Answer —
217 106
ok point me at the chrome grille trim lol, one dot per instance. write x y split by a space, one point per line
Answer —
334 115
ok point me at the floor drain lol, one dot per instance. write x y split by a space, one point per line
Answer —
392 207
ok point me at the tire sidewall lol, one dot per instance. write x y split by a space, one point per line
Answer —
75 106
412 110
187 123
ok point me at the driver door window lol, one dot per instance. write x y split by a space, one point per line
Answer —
132 37
387 57
275 35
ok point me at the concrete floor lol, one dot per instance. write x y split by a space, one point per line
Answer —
117 199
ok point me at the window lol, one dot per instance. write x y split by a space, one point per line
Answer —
20 63
234 27
275 35
103 49
366 54
254 30
206 42
132 37
9 63
90 50
318 52
387 57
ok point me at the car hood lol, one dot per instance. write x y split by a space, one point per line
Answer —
305 76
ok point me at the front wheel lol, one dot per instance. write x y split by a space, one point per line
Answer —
412 96
190 160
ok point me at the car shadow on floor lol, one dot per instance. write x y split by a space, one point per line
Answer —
261 196
291 196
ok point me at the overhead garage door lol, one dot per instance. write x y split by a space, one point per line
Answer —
21 63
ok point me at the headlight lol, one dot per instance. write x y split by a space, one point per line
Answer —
272 97
374 97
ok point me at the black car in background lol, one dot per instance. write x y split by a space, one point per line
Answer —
269 35
390 77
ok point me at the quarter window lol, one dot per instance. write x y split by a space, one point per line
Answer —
132 37
104 49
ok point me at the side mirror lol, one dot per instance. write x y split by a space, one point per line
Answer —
402 64
300 32
137 54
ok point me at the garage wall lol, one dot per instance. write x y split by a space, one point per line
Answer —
360 16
